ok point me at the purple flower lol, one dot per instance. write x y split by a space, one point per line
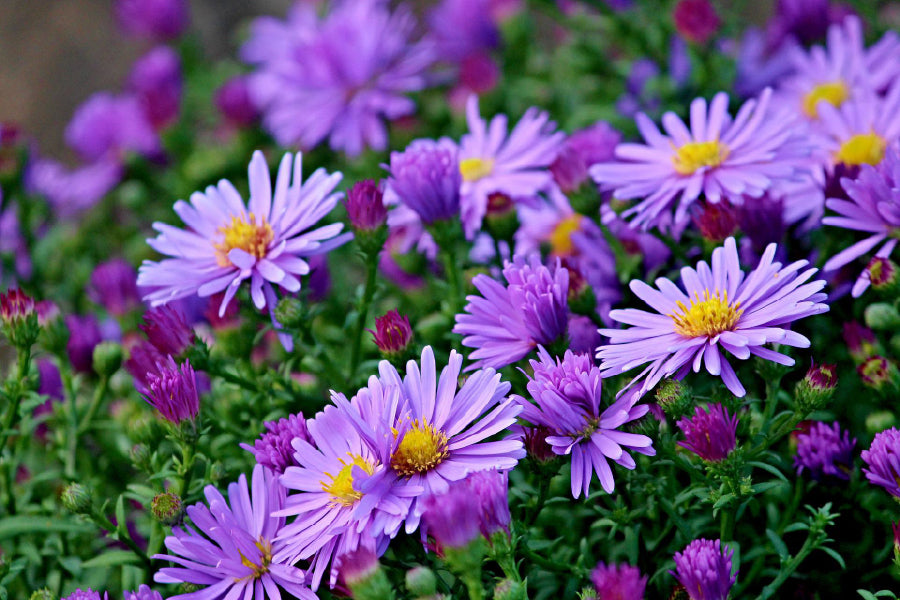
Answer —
273 449
229 242
696 20
594 144
505 323
365 205
158 20
883 460
710 433
761 64
143 593
718 157
167 330
72 191
425 178
874 207
392 333
337 77
618 582
567 398
173 392
476 505
232 549
704 569
515 163
49 384
108 126
721 308
84 335
156 81
583 335
806 20
144 360
234 102
87 594
113 285
824 450
463 28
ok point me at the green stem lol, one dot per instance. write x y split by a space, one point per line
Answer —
72 434
186 469
726 530
102 521
771 403
363 312
23 359
96 401
788 569
449 257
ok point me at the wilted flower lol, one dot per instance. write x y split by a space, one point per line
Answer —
824 450
710 433
704 569
883 461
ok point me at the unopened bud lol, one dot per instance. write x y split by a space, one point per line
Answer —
364 576
107 358
501 220
674 397
877 372
140 456
76 498
421 582
882 273
166 508
392 334
881 315
289 312
815 390
507 589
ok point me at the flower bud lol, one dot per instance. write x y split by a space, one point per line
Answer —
882 273
19 318
696 20
392 333
895 527
501 220
860 341
507 589
77 499
421 582
140 456
880 420
166 508
881 315
878 372
42 594
674 397
290 312
363 574
107 358
815 390
710 433
365 206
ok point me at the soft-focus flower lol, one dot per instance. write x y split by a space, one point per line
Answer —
167 330
337 77
15 305
476 505
108 127
158 20
84 335
585 147
274 447
583 335
71 191
173 392
876 371
806 20
113 285
704 569
143 593
716 222
505 323
233 550
861 341
567 399
883 461
710 433
515 163
234 102
392 333
718 157
425 178
696 20
721 308
760 64
87 594
155 80
463 28
365 205
618 582
824 450
229 242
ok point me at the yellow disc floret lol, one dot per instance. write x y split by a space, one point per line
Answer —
244 233
473 169
561 237
862 149
696 155
422 448
706 317
265 559
341 485
835 93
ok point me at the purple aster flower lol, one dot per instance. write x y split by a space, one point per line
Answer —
113 285
232 549
594 144
229 242
638 96
583 335
173 392
566 395
883 461
718 157
719 309
425 178
84 335
824 450
234 102
167 330
337 77
71 191
874 207
49 384
476 505
108 126
144 360
710 433
158 20
143 593
365 205
505 323
87 594
514 163
273 448
155 80
618 582
761 64
704 569
463 28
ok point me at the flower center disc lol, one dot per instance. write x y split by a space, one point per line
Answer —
835 93
341 486
862 149
251 237
421 449
696 155
473 169
265 559
707 317
561 237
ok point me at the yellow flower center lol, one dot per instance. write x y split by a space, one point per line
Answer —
341 485
835 93
421 449
695 155
561 237
707 317
862 149
250 236
473 169
265 559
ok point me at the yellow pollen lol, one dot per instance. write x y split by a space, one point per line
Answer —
695 155
834 93
250 236
561 237
473 169
265 559
421 449
341 485
707 317
862 149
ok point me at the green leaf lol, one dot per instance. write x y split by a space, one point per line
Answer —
796 527
25 524
112 558
778 544
866 595
765 486
767 467
121 523
833 554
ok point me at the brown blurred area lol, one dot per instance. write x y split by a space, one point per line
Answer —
56 53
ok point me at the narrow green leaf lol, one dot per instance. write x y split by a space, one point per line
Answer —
111 558
778 544
833 554
25 524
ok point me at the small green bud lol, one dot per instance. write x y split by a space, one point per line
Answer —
77 498
647 425
420 581
140 456
508 589
587 593
815 390
373 586
880 420
674 397
881 315
166 508
107 358
290 312
42 594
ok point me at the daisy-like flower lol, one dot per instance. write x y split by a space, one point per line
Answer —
233 550
718 310
718 157
618 582
704 569
516 164
873 207
566 396
825 450
883 461
228 242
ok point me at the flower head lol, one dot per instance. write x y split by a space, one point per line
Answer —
883 461
274 447
159 20
566 400
365 205
167 330
425 178
710 433
157 82
696 20
463 29
15 306
174 392
704 569
113 285
234 102
719 309
618 582
392 333
824 450
505 323
594 144
87 594
476 505
72 191
143 593
108 126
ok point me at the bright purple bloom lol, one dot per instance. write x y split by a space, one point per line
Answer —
173 392
874 207
476 505
114 286
234 102
618 582
233 550
167 330
365 205
392 332
718 157
156 81
585 147
273 449
425 178
719 309
229 242
710 433
463 28
824 450
108 126
75 190
704 569
696 20
505 323
87 594
84 335
337 77
566 395
143 593
883 461
158 20
144 360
